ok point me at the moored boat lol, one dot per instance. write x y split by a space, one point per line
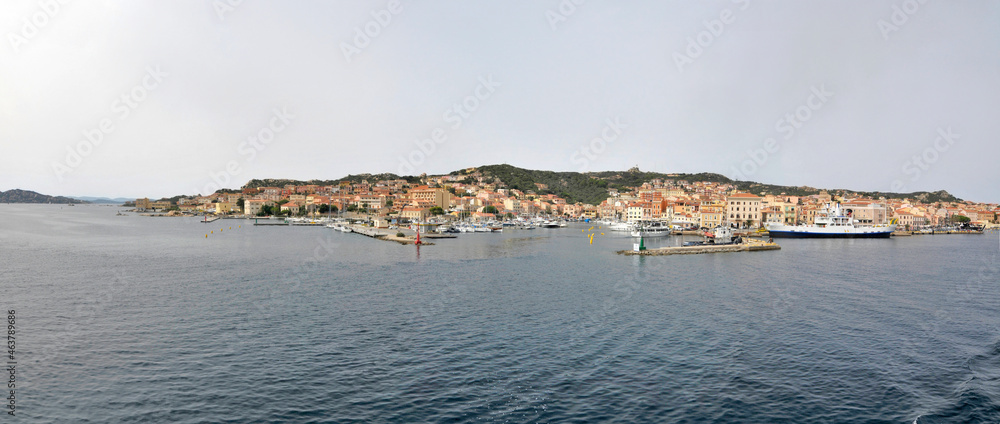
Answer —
647 229
831 222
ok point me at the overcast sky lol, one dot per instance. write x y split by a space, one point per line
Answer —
853 94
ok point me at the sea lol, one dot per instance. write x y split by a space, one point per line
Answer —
135 319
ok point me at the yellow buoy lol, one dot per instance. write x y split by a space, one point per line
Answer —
213 232
206 235
230 228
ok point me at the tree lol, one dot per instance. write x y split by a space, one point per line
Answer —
508 215
240 203
960 218
302 210
490 209
324 208
352 208
436 210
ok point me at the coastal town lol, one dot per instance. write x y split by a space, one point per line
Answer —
470 196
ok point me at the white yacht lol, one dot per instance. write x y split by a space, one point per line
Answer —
647 229
621 226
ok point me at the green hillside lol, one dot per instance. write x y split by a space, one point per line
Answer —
592 187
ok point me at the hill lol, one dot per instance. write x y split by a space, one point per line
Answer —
25 196
280 182
592 187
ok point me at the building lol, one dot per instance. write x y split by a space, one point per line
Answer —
223 207
161 205
633 212
414 213
254 206
711 216
143 204
866 214
512 205
370 202
437 196
743 207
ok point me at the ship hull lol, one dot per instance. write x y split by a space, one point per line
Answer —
808 234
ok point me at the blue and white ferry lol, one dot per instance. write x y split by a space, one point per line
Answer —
831 223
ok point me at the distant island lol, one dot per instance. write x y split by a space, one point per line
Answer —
26 196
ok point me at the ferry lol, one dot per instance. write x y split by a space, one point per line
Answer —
831 223
647 229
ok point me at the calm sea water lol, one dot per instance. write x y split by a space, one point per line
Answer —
139 319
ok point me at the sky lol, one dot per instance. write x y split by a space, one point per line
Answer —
150 98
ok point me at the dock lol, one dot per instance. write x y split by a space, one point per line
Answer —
386 234
749 246
904 233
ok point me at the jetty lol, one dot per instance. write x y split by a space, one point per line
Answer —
386 234
904 233
271 224
746 246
